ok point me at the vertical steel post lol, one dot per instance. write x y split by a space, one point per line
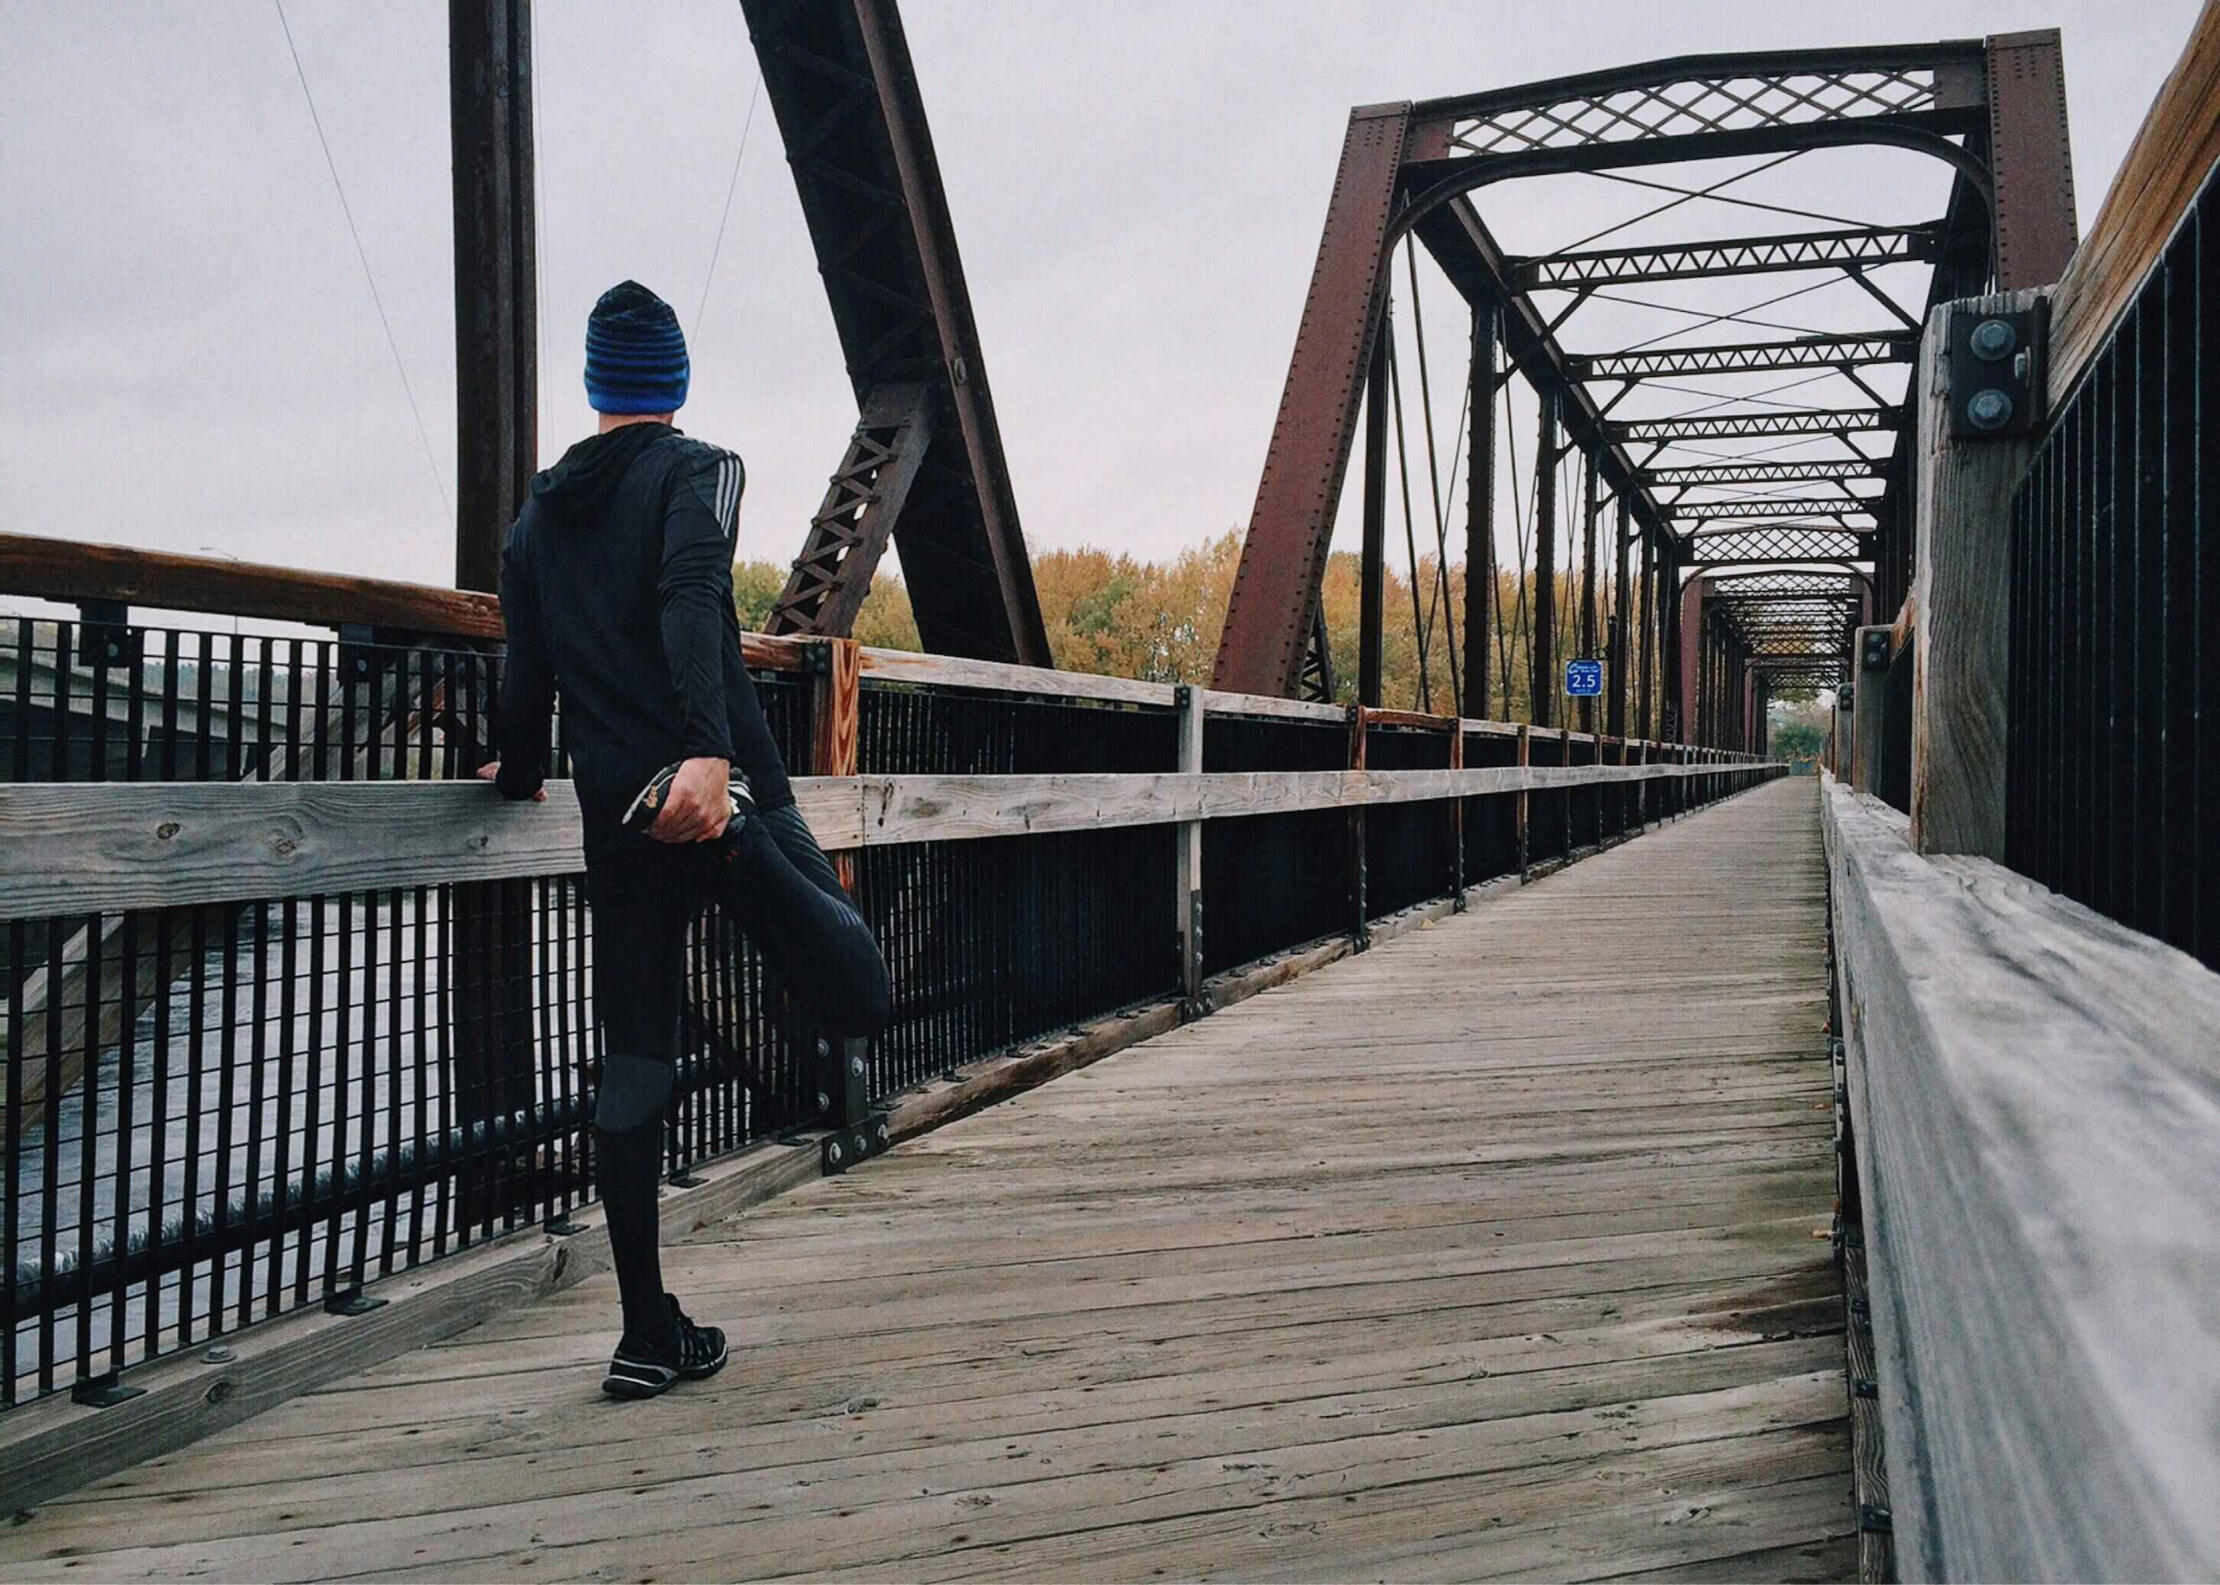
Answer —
1615 712
1188 840
1372 585
489 68
1590 509
1480 589
496 451
1543 659
1361 924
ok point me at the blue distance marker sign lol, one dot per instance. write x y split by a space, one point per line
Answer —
1584 679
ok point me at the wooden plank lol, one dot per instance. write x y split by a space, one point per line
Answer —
1868 717
54 1446
1961 586
1517 1280
835 726
70 570
2039 1151
81 848
2170 160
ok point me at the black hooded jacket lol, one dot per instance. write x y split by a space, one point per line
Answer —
616 585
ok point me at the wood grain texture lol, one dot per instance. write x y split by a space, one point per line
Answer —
1519 1280
54 1446
80 848
1961 586
70 570
1869 717
2037 1108
2171 158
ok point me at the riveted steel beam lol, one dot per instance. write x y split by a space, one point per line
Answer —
1860 248
1750 357
1735 426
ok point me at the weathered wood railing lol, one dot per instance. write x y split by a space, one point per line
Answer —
2032 1053
339 1022
2034 1092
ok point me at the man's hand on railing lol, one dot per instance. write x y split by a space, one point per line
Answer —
492 768
699 805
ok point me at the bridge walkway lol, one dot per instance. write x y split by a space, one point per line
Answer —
1498 1250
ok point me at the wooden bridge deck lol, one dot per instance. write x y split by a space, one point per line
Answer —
1495 1251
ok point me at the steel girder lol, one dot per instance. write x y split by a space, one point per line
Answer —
1747 511
1940 83
1407 168
1751 357
1778 543
1862 248
840 83
1743 426
1760 473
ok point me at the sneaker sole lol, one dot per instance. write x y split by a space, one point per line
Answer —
634 1389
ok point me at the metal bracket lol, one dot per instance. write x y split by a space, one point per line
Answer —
561 1227
105 635
843 1082
1873 1519
352 1301
1873 649
366 652
845 1147
1994 361
104 1391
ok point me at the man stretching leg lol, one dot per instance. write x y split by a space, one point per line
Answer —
616 585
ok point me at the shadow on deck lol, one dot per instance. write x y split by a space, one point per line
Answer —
1498 1250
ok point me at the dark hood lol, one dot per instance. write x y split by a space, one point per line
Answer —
580 485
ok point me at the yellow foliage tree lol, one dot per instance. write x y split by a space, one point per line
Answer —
1115 615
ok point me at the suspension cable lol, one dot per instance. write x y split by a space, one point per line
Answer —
731 187
1410 530
431 458
1433 479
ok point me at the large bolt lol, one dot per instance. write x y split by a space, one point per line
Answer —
1993 340
1990 409
824 1048
855 1066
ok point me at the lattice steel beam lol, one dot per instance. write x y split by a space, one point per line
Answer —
1812 250
1737 426
1750 357
1762 473
840 82
1934 83
1786 544
1751 511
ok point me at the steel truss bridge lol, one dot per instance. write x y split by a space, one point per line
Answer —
1645 1161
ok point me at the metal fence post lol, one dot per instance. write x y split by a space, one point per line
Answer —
1361 927
1187 842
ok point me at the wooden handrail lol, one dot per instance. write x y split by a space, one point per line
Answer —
85 847
60 569
65 570
2038 1151
2174 151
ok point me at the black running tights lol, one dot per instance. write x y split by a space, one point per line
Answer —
770 878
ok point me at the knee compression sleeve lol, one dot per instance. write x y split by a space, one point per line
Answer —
634 1091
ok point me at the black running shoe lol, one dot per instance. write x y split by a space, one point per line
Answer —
691 1353
649 803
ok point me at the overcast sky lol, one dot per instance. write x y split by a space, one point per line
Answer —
192 357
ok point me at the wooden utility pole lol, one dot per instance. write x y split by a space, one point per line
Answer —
489 68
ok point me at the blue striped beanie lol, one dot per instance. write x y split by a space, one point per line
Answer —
635 353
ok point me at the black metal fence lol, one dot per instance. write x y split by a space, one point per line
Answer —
2113 756
219 1113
